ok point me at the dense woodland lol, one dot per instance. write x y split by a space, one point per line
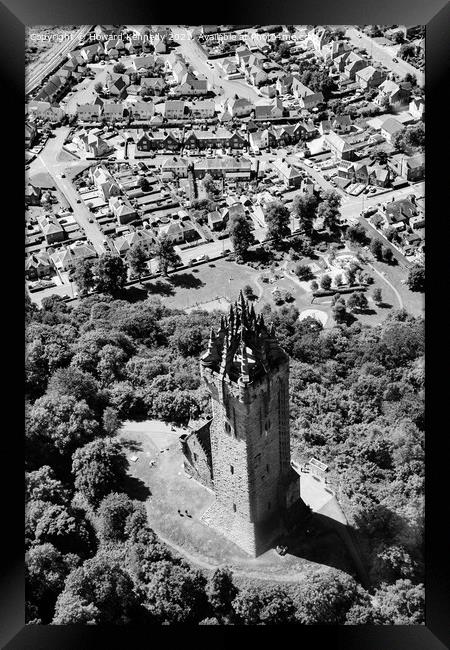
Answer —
356 403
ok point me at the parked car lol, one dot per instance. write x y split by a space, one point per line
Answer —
395 60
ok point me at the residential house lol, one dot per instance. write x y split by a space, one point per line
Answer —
136 237
153 85
307 186
417 108
30 134
318 37
38 265
54 89
174 109
338 123
176 165
370 77
92 52
353 64
158 140
67 258
122 210
289 174
190 85
239 107
228 167
142 110
179 70
263 139
307 98
216 220
203 108
412 168
332 50
89 112
103 180
242 55
51 228
256 75
344 147
197 139
229 67
92 143
117 84
113 112
45 111
390 128
269 111
396 94
33 195
143 63
283 84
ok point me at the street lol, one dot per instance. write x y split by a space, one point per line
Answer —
382 54
195 55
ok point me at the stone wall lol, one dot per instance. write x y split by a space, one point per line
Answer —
196 448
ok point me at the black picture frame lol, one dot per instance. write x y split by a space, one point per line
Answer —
435 14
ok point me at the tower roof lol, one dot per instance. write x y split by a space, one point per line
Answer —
243 348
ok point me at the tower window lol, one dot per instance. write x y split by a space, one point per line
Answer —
227 427
269 505
234 507
195 457
267 469
232 469
257 460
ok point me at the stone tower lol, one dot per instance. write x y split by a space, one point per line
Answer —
247 374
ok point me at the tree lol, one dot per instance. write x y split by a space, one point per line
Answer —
338 280
175 593
376 248
111 274
362 300
357 233
325 282
137 259
339 312
221 591
119 68
387 254
58 425
248 292
241 236
98 88
209 185
100 591
314 285
305 206
112 515
402 603
166 255
84 276
111 421
144 184
247 606
46 571
377 296
41 485
327 598
99 468
353 302
303 272
416 278
64 527
277 220
330 209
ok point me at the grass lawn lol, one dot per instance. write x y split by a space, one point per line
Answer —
165 488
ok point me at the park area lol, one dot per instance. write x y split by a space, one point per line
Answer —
214 284
157 476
